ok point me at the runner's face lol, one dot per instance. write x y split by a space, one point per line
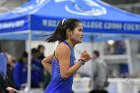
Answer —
77 34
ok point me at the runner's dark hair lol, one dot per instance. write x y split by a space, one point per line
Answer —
60 32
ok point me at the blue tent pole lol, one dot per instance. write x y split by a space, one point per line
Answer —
28 88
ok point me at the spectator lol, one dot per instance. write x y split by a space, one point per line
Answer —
20 71
10 68
37 69
100 74
4 82
41 50
46 74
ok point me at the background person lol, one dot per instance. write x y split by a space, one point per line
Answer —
100 74
4 82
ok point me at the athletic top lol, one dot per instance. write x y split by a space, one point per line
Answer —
58 84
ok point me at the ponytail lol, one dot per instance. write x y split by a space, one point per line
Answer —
57 35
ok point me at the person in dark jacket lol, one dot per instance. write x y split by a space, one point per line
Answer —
10 69
41 50
46 74
4 82
6 86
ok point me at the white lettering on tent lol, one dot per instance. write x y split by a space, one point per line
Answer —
110 25
131 26
50 23
96 25
15 24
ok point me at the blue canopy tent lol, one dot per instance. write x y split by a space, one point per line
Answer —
39 17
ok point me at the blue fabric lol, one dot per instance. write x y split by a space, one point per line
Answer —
58 84
20 74
37 75
3 64
43 15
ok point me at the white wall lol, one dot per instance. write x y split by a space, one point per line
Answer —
87 68
49 47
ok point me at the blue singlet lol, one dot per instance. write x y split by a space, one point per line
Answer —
57 84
